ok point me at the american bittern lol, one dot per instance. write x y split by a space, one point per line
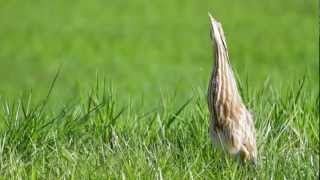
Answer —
231 124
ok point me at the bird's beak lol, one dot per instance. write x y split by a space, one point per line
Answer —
213 28
216 32
212 20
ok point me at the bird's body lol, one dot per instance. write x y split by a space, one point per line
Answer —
231 124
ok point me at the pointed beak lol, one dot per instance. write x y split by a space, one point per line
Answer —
212 20
210 17
214 32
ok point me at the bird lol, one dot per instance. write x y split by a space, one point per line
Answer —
231 124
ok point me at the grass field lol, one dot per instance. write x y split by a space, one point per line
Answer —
129 101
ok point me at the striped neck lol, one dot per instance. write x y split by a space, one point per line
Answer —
226 91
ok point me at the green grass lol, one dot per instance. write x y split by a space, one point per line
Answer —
130 97
139 44
99 138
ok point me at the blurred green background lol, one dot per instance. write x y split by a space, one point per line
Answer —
151 47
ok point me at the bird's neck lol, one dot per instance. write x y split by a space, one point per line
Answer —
226 86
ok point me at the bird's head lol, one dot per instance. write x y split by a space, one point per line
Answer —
216 32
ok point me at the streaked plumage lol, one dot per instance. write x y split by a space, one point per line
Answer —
231 124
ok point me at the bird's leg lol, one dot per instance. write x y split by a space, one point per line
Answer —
244 153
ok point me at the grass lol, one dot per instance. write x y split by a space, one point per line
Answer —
99 138
139 44
147 117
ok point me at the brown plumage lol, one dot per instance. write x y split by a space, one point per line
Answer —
231 124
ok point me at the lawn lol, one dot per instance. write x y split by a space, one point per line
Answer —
129 98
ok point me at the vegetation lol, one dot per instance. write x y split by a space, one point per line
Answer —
130 98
